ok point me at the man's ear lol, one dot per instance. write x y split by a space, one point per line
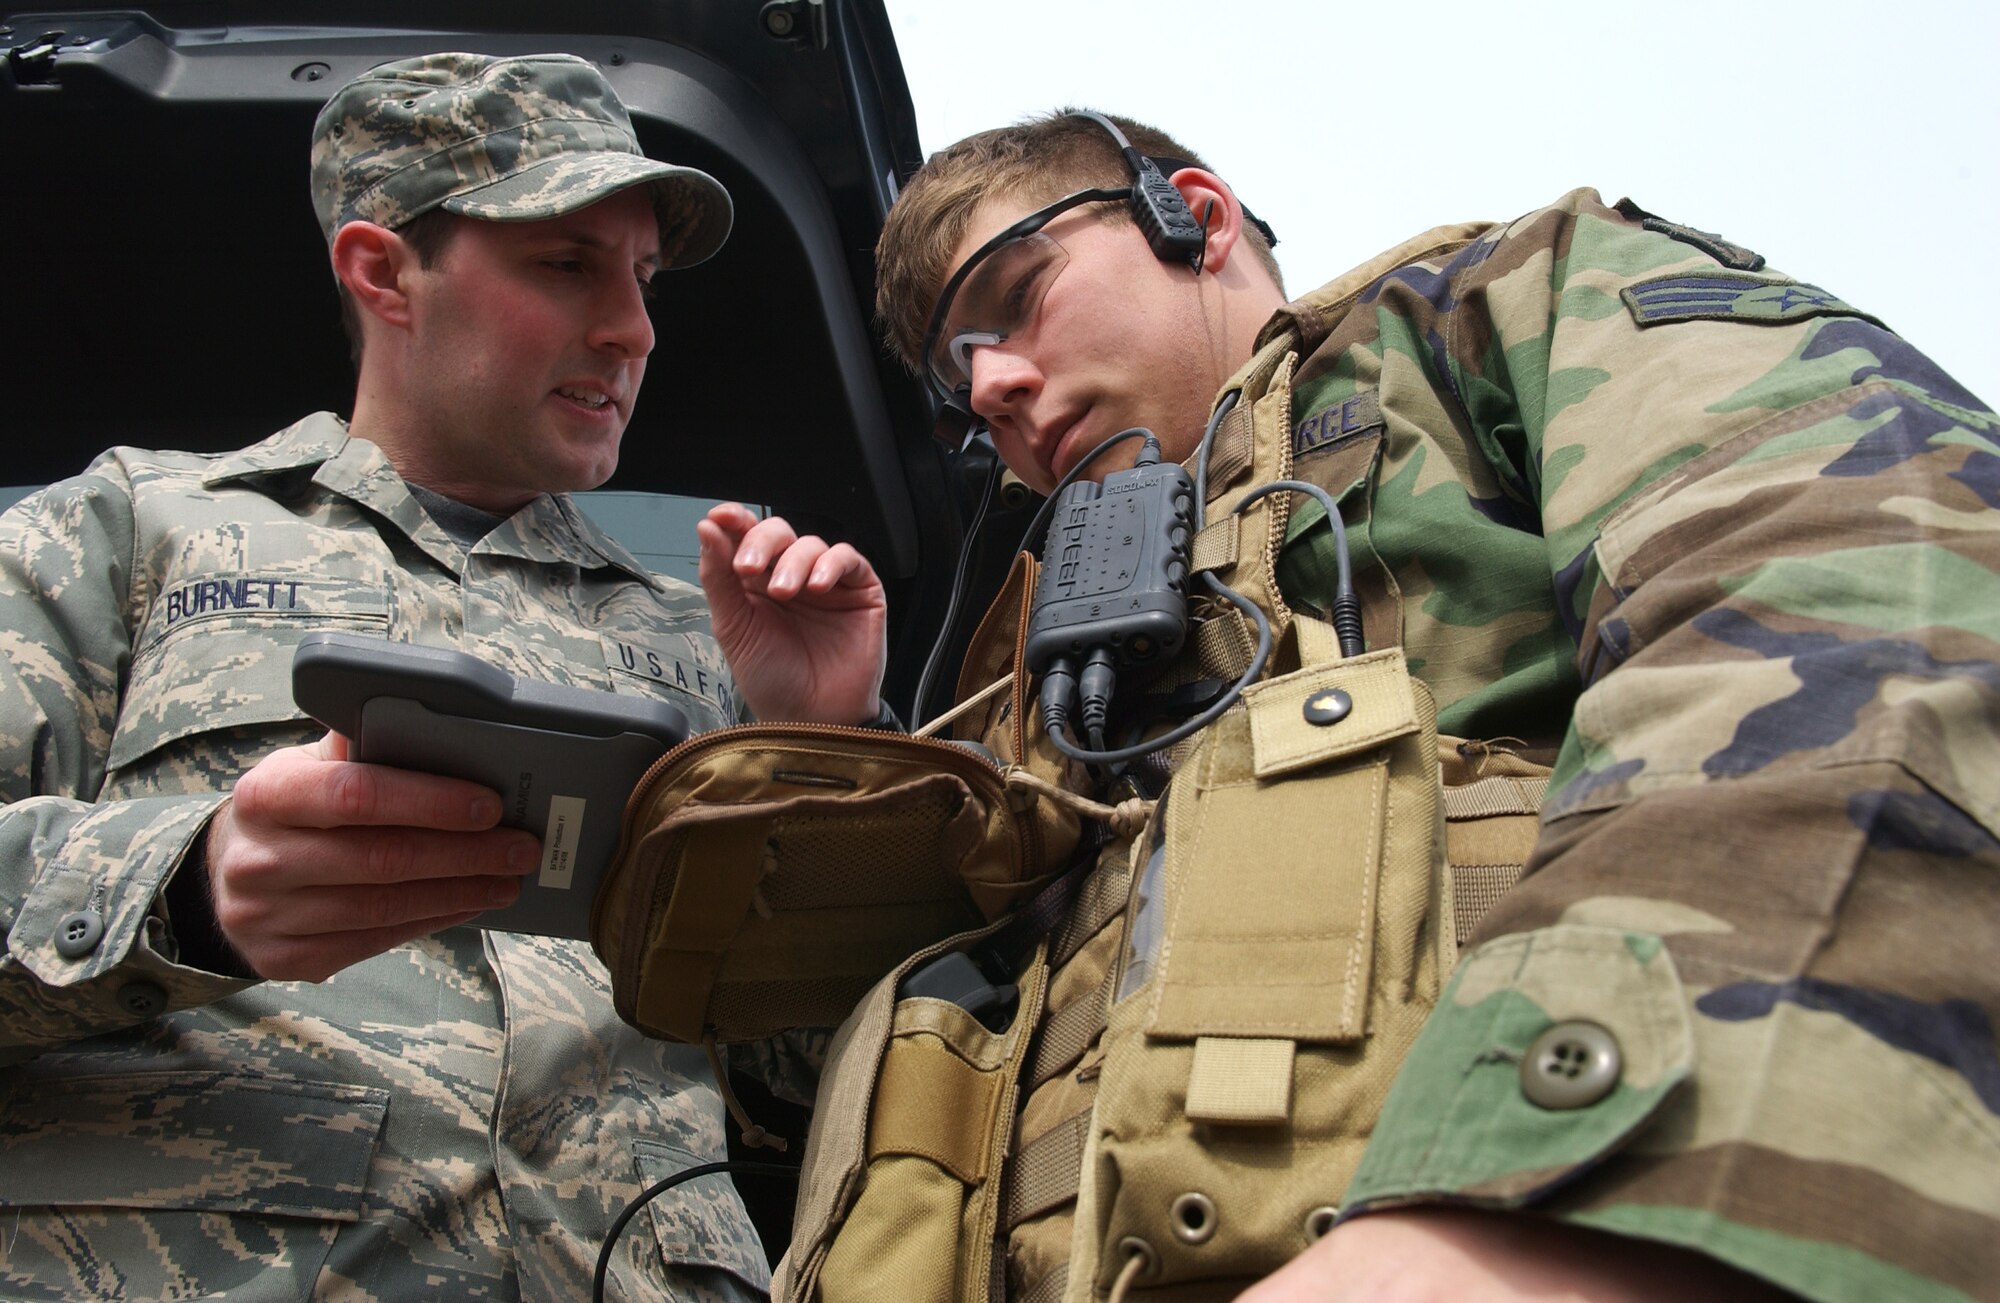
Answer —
1223 222
375 265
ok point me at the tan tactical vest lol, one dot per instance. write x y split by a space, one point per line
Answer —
1204 1040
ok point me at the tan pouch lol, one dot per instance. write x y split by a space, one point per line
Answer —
900 1193
769 875
1283 949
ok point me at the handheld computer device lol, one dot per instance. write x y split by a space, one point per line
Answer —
563 759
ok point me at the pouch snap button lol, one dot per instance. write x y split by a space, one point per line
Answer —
1573 1064
1329 707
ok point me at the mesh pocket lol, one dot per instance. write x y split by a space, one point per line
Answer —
844 859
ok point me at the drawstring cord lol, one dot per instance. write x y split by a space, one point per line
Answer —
1127 818
754 1136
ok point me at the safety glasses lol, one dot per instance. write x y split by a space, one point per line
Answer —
995 302
992 296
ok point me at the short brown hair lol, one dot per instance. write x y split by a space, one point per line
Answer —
1036 161
427 234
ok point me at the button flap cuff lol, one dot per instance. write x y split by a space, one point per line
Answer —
1459 1124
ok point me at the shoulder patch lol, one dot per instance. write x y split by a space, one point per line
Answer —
1730 296
1726 252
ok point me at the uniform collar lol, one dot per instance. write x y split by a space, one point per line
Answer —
1311 317
550 530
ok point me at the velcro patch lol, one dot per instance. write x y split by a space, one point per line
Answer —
1730 296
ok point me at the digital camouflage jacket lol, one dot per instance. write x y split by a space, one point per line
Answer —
457 1118
1731 551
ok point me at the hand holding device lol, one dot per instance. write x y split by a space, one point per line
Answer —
563 760
315 864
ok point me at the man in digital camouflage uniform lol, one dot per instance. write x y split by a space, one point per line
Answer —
1714 541
449 1113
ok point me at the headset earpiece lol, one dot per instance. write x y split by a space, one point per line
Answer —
1164 218
1158 209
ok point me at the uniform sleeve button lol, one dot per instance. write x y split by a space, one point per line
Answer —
142 999
78 934
1573 1064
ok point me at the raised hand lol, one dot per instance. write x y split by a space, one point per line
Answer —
803 623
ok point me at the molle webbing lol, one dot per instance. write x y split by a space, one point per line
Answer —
1298 953
1066 1035
1493 824
1044 1174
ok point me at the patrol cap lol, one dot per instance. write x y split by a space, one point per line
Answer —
502 140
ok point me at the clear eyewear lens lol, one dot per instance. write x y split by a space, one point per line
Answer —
995 302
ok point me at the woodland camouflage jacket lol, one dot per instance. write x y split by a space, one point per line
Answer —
1731 549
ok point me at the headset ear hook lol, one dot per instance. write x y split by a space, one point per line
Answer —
1201 255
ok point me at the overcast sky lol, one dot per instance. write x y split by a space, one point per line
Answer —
1857 146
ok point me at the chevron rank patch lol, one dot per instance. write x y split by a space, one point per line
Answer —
1730 296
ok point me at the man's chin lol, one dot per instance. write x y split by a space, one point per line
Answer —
584 464
1104 462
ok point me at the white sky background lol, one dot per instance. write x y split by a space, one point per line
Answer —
1855 145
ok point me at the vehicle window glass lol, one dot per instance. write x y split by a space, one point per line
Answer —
657 528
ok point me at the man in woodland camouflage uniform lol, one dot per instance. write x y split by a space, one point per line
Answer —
1720 546
249 1051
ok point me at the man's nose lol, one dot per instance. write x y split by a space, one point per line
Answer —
623 324
1002 376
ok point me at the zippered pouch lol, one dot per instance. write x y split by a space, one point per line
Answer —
768 875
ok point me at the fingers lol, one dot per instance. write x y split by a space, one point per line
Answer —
266 862
314 787
732 517
773 560
305 906
316 863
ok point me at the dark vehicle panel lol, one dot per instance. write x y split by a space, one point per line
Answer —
169 286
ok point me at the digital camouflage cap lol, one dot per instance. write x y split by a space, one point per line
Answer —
503 140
